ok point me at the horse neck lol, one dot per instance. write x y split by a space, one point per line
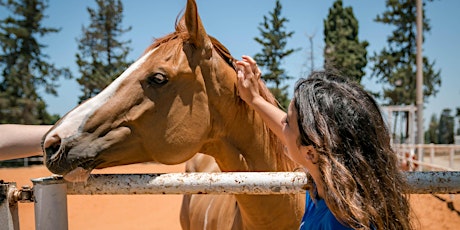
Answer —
248 145
241 141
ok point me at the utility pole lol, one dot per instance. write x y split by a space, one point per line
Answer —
312 67
419 79
312 58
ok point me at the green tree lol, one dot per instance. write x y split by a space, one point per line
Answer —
274 39
446 127
431 135
458 117
24 66
102 56
395 65
344 52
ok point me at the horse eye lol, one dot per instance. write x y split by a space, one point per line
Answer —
157 79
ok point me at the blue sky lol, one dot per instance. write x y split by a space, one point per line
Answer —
235 24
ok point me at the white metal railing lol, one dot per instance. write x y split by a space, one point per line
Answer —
423 157
49 194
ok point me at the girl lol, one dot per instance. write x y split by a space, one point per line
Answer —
335 130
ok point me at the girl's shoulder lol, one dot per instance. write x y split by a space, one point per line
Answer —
318 216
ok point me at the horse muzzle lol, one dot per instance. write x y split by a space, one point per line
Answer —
62 158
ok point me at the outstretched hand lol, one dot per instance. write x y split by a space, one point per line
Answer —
248 89
248 77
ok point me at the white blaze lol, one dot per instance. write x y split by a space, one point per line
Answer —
76 118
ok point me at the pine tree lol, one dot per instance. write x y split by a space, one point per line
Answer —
344 52
395 65
431 135
457 114
102 57
23 65
446 127
274 39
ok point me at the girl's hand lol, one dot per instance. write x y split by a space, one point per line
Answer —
248 77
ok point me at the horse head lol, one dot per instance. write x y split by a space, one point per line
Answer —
157 110
179 98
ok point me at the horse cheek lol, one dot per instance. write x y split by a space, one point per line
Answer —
187 129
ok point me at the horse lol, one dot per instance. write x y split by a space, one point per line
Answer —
179 103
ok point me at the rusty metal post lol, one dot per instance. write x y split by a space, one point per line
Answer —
50 203
9 219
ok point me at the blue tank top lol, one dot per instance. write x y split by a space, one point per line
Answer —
318 216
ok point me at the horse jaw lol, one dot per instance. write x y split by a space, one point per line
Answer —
79 174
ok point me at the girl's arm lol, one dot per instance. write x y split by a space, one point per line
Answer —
248 77
19 141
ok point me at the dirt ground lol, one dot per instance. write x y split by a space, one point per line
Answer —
162 211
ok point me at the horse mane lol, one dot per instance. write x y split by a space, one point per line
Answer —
276 146
181 33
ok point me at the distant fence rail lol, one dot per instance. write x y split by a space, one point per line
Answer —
430 157
22 162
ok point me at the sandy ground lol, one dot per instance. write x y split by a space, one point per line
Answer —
162 211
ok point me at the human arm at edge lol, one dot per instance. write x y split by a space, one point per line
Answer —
19 141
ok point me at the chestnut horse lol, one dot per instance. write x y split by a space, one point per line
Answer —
178 99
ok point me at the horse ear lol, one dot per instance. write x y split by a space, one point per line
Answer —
195 28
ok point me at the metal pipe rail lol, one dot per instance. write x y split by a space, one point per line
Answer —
186 183
441 182
49 194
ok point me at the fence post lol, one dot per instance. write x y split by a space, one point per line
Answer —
420 155
432 153
9 219
50 204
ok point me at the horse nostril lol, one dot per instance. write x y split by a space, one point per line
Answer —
52 145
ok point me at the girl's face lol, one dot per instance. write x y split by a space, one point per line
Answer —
303 155
291 134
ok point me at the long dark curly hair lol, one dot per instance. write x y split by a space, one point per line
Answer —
364 187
